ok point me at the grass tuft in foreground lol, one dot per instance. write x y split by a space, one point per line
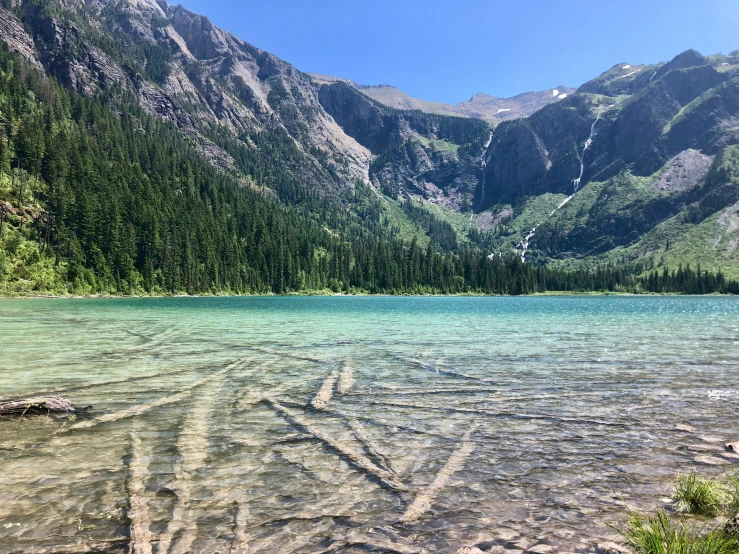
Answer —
733 494
700 496
660 535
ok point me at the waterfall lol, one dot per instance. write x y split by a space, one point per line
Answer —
523 246
484 164
588 144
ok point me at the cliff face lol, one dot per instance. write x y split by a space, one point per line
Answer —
640 125
185 70
418 154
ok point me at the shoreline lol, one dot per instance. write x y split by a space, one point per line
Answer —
318 294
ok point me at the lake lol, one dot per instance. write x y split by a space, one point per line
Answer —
354 424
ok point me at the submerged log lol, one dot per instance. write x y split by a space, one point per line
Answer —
357 459
425 498
324 394
37 405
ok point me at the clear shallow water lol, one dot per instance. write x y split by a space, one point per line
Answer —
356 424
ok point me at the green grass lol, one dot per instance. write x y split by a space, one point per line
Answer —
732 487
687 109
699 495
661 535
439 144
408 229
535 212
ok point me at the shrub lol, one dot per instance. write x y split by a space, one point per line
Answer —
660 535
698 495
732 504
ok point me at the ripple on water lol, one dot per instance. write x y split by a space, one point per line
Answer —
404 424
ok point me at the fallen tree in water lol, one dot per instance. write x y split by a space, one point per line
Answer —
36 406
357 459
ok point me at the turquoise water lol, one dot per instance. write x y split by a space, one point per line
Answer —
355 424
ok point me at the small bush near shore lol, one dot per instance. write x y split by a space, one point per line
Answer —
699 495
661 535
733 493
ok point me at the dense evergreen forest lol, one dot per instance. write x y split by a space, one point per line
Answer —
96 197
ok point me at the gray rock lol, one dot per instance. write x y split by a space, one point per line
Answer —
13 34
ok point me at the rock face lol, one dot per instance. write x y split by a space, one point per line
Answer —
643 131
188 72
12 32
683 172
424 155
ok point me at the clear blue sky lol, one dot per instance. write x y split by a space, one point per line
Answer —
447 51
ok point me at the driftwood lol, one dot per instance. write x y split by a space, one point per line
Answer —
357 459
346 378
192 445
324 394
141 409
369 445
425 498
489 413
138 513
37 405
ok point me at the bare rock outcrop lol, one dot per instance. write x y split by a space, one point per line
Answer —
683 172
13 34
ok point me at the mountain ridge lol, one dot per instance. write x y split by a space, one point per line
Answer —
481 106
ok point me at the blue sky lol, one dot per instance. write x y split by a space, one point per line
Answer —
447 51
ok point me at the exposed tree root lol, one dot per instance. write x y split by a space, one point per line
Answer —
425 498
143 408
357 459
324 394
138 512
346 378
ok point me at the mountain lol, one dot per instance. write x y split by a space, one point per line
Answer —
480 106
143 148
644 159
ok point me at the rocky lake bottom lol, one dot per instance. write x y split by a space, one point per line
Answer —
380 424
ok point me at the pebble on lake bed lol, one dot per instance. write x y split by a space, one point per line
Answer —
732 446
469 550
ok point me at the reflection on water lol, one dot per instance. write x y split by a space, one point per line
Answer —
358 424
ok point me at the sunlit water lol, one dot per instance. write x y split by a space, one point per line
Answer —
516 423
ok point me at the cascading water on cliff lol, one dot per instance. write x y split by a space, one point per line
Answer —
588 144
524 244
484 164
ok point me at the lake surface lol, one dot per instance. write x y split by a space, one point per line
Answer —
358 424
